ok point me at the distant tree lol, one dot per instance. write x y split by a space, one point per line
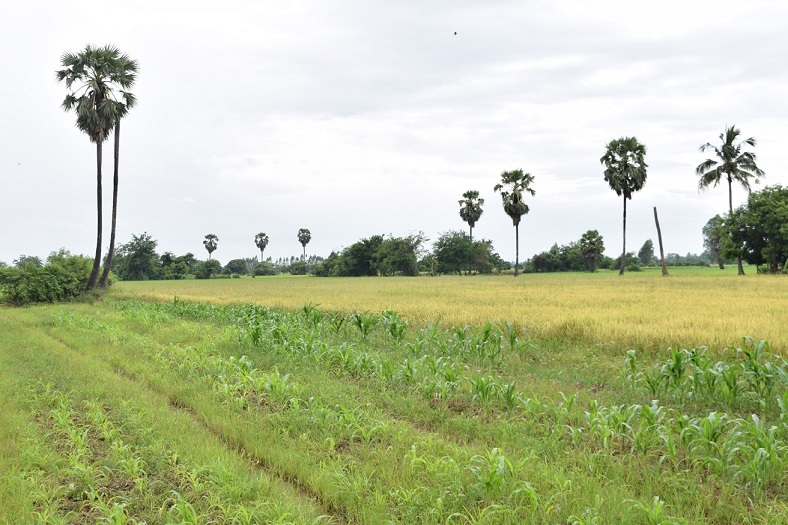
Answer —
714 236
646 253
625 172
210 243
207 269
261 241
236 266
97 80
512 186
471 209
304 236
592 246
732 164
28 259
137 260
452 251
761 228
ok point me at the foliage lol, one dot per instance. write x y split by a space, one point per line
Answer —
471 208
625 172
24 260
97 80
207 269
583 255
512 186
714 239
304 236
137 260
211 241
261 241
264 268
236 266
64 277
455 252
646 253
761 228
376 255
592 247
733 164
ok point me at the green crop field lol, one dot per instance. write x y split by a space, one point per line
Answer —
546 399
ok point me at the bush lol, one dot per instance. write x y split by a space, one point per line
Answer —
64 277
207 269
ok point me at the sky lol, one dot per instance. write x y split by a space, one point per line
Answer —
358 118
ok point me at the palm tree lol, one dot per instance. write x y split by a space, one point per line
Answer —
732 163
261 240
471 209
210 243
512 186
304 236
92 77
625 171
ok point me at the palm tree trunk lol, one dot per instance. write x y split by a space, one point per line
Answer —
516 248
624 252
261 255
730 208
470 261
305 254
111 250
97 258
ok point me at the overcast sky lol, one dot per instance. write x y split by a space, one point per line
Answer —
356 118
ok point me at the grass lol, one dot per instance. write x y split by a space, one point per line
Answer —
693 307
175 411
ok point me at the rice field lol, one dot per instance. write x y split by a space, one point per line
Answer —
693 307
447 400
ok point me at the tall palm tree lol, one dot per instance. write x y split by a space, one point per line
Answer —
96 79
128 71
471 209
304 236
512 186
261 240
625 171
733 164
210 243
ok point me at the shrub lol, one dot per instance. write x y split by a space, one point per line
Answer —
64 277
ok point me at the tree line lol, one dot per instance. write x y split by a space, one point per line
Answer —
98 82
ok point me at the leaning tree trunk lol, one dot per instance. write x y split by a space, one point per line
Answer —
730 208
661 251
111 251
624 252
94 273
516 248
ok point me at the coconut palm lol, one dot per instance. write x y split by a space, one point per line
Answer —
625 172
471 209
304 236
512 186
96 80
732 164
210 243
261 240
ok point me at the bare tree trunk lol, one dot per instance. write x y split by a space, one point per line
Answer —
624 253
94 273
261 255
730 208
111 251
661 251
516 248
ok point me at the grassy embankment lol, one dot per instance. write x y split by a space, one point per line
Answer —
186 413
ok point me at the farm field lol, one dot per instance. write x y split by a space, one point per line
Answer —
694 307
447 400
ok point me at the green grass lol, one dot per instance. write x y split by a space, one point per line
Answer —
310 415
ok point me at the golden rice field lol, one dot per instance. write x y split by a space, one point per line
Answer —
693 307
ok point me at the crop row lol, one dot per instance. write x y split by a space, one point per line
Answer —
89 468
